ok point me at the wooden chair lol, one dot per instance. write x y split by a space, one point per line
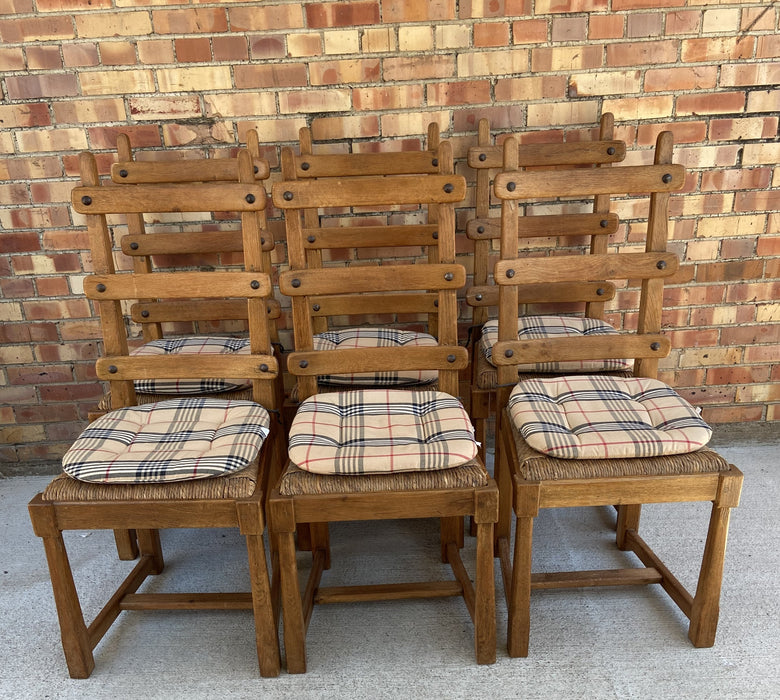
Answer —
190 325
388 475
550 233
633 440
200 462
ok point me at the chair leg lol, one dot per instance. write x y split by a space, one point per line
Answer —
265 621
126 546
519 602
149 545
485 597
320 539
627 519
706 603
73 630
292 610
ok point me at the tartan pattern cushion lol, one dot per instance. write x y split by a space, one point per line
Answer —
174 440
603 417
381 431
192 345
375 338
533 327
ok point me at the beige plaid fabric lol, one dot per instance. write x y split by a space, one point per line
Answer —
381 430
175 440
534 327
375 337
597 417
192 345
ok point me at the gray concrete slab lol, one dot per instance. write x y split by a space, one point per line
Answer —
602 643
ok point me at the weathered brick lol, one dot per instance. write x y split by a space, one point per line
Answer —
529 31
192 50
604 83
273 17
28 29
415 38
80 55
195 79
43 58
341 14
159 108
761 153
30 87
156 51
742 179
757 201
491 34
344 72
684 132
35 217
533 88
460 93
717 49
391 97
400 11
562 59
552 6
637 53
240 104
25 115
104 137
645 24
683 22
190 21
405 124
768 46
739 129
378 39
116 82
314 101
418 68
764 101
267 46
117 53
566 113
229 48
681 79
102 24
492 63
12 59
276 75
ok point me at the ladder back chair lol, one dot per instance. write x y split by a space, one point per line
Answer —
553 233
598 440
341 320
186 462
188 325
404 454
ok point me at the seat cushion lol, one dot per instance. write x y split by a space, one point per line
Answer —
534 327
192 345
597 417
174 440
374 338
381 431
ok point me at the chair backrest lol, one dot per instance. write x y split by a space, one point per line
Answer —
208 245
373 286
488 158
646 345
325 230
112 289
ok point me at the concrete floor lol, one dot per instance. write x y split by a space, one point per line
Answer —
602 643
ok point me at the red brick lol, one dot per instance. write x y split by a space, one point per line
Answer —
684 132
693 338
192 50
117 53
229 48
185 21
755 291
720 103
341 14
402 11
70 392
142 136
742 179
16 193
11 59
619 5
418 68
751 335
737 375
52 286
475 9
27 87
66 308
271 76
391 97
645 25
505 117
768 246
739 248
717 49
605 27
768 46
273 18
39 374
529 31
491 34
728 271
65 5
156 51
553 6
680 79
683 22
637 53
43 58
45 414
17 288
768 200
344 72
461 93
267 46
80 55
29 29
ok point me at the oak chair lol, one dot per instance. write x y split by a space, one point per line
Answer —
180 463
596 440
383 468
548 233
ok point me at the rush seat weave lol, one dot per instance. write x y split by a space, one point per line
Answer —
379 431
175 440
604 417
535 327
375 338
192 345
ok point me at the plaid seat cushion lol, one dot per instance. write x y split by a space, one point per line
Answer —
380 431
598 417
192 345
533 327
379 337
174 440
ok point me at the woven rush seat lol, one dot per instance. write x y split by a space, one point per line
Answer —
175 440
595 417
381 430
240 484
535 327
375 338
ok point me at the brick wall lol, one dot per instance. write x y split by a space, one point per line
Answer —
195 75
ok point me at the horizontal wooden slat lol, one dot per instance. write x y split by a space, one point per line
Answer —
593 347
368 191
187 367
388 591
542 293
197 310
604 577
349 360
139 199
566 268
550 154
363 164
384 278
189 242
178 285
547 225
193 170
359 304
369 236
186 601
559 183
